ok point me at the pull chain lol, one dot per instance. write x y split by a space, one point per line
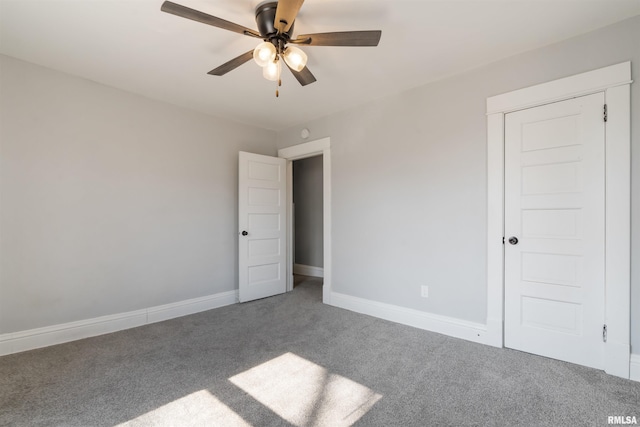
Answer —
280 49
279 80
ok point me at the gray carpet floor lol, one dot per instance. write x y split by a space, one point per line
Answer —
290 360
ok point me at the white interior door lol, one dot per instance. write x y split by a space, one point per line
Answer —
554 207
262 222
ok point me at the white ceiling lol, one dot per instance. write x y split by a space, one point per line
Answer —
132 45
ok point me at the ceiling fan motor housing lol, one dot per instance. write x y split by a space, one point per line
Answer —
265 16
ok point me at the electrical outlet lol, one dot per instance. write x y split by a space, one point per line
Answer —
424 291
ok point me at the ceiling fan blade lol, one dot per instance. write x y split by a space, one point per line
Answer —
286 13
344 38
195 15
304 77
232 65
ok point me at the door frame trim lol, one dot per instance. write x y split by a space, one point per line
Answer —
615 81
302 151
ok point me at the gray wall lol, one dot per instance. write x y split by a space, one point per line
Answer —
111 202
409 179
307 196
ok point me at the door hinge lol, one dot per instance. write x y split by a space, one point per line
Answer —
605 116
604 333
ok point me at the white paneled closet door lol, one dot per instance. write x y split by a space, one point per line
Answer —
555 230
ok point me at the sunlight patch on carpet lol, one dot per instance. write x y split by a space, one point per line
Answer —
306 394
199 408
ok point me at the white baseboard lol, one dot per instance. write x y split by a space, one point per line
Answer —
634 367
450 326
16 342
308 270
191 306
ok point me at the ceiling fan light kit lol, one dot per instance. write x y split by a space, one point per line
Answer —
295 58
272 70
264 53
275 27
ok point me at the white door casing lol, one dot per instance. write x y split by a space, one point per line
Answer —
555 230
615 81
262 222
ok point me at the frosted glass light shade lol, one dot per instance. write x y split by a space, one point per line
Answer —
264 53
272 71
295 58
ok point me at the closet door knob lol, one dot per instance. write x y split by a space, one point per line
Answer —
513 240
244 233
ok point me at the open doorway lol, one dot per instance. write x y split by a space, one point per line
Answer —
305 150
308 251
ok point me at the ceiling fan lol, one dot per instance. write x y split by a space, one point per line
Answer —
275 21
